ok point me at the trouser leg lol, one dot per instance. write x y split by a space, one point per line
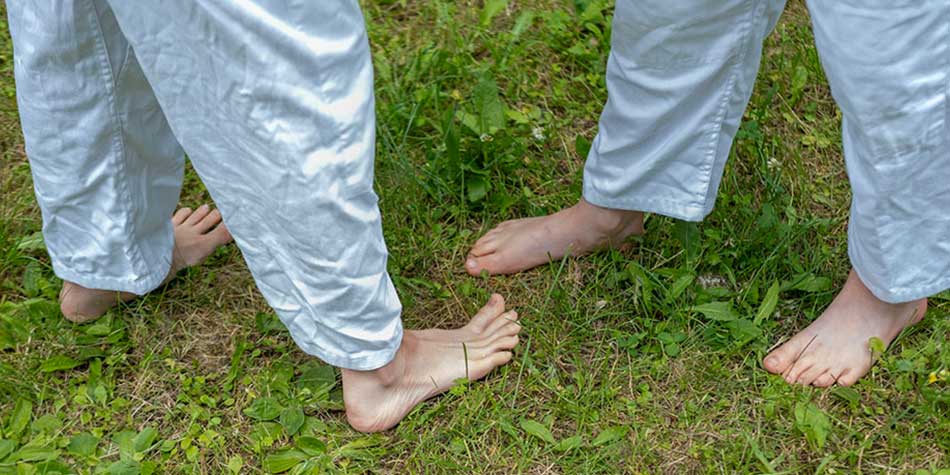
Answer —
679 77
273 102
106 169
888 63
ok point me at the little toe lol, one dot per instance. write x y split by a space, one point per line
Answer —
197 215
180 216
849 376
483 366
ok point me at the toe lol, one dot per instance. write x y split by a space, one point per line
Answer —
849 376
488 313
504 343
798 369
503 323
483 366
808 378
823 381
490 263
487 244
180 216
208 221
782 359
197 215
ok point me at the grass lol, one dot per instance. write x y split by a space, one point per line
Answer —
485 110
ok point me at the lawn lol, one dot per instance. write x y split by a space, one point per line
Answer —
486 110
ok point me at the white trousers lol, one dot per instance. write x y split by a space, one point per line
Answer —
680 75
273 103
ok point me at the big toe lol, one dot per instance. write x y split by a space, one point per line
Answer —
780 360
474 265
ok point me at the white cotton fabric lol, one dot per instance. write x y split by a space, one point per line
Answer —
273 103
680 75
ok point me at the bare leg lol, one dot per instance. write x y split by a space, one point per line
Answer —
197 234
834 348
520 244
427 364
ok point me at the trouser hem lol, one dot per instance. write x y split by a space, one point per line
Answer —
138 287
672 209
365 361
900 294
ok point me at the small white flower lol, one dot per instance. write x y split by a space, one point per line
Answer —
774 163
538 134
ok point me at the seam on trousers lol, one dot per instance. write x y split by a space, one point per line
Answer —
137 258
716 133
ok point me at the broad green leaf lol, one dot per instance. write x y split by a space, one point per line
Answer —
283 460
768 304
125 441
6 448
813 423
742 331
477 188
82 444
357 448
317 377
719 311
312 446
22 411
811 283
235 464
125 467
292 419
610 434
263 409
59 363
538 430
490 109
569 443
680 285
33 242
35 454
144 439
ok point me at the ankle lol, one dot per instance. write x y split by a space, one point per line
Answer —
610 221
384 376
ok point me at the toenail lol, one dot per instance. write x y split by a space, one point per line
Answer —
471 264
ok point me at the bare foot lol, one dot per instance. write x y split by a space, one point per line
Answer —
520 244
834 348
427 364
197 234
